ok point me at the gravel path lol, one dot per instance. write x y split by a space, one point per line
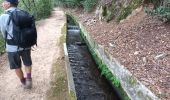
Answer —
43 58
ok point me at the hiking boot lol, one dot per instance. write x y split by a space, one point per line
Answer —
28 83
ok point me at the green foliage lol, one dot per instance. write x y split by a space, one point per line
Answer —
124 13
39 8
163 12
2 49
88 5
43 8
119 10
1 9
67 3
107 73
128 10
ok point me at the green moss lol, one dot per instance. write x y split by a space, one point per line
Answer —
63 32
72 96
132 81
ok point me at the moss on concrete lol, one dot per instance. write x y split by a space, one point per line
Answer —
63 32
72 96
107 73
132 81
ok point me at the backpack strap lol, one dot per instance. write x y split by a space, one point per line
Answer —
9 19
6 33
10 14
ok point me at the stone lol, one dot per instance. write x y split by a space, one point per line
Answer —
112 45
144 60
161 56
136 52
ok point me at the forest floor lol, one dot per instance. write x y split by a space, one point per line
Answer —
48 71
141 43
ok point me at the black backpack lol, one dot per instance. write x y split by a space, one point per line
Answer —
24 30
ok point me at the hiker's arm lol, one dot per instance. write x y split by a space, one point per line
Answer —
3 21
2 30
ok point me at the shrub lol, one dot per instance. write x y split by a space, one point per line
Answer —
67 3
88 5
39 8
162 12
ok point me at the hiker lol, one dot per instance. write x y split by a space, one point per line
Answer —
16 54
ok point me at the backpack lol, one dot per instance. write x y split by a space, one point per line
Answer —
24 30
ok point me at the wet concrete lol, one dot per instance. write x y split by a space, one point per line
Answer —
89 83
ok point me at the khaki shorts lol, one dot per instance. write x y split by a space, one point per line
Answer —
16 57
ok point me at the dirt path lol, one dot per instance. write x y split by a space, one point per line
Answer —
43 57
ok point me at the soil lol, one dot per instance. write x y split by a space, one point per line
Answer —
141 43
43 56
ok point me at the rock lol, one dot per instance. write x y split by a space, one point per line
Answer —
161 56
144 60
136 52
112 45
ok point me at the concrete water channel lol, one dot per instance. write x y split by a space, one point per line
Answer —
93 73
88 81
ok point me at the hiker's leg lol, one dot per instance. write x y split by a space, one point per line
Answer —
28 70
26 57
20 75
28 78
15 63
